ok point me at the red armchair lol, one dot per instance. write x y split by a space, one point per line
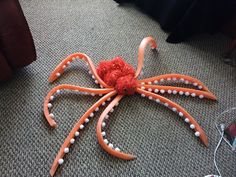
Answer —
16 44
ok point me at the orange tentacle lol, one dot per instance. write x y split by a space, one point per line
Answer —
47 104
180 90
174 77
107 148
141 51
181 111
60 68
75 131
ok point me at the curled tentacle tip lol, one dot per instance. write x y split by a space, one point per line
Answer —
131 157
52 173
154 47
204 139
206 143
51 78
213 96
54 75
53 124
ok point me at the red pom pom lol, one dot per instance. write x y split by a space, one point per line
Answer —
117 63
103 68
110 78
119 74
126 85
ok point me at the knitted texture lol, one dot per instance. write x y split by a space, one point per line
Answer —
119 74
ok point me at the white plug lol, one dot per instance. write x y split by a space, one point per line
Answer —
222 127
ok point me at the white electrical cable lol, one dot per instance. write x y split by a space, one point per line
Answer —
224 137
217 125
221 132
217 147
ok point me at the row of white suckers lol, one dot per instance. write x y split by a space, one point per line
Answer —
66 150
171 92
182 80
86 93
58 74
192 126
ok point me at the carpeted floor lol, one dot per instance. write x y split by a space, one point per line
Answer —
165 146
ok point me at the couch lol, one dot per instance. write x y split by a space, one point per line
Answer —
16 43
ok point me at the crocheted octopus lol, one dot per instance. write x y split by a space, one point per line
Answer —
118 79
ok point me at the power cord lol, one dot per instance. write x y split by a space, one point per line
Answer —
220 128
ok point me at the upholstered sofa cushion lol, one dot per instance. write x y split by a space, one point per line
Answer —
16 44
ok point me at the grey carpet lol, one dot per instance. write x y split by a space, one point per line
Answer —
163 143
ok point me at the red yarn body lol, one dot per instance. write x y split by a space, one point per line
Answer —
119 74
